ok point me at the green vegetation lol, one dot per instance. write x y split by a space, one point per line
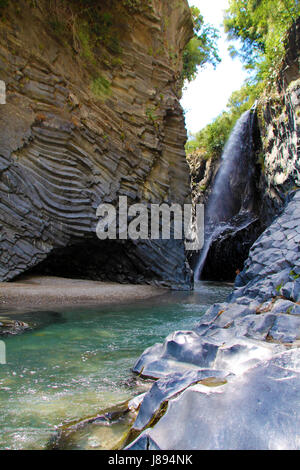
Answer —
261 27
153 118
100 87
89 24
84 39
150 113
136 5
3 5
201 49
92 31
261 162
279 287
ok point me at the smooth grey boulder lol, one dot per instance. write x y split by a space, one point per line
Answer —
259 409
183 351
245 339
167 387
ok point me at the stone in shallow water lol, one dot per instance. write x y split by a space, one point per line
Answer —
259 409
12 327
105 431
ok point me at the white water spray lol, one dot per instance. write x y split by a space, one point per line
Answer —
225 200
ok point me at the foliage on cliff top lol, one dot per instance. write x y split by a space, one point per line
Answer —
201 49
261 27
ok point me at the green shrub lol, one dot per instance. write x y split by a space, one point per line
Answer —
260 26
85 42
101 87
201 49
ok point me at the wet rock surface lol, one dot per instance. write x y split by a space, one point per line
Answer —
12 327
278 120
257 410
229 250
248 347
273 266
101 432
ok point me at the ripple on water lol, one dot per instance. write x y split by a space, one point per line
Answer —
78 362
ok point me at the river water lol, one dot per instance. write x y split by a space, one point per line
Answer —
78 361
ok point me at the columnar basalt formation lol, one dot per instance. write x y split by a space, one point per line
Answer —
75 135
279 125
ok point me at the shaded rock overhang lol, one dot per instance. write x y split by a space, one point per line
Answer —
64 151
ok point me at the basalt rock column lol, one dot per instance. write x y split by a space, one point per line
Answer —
75 135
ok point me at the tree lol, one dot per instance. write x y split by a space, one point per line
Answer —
201 49
260 25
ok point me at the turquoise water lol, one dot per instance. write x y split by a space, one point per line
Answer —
77 361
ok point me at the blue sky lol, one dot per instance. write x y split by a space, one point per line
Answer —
207 96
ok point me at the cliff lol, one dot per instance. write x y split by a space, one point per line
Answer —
86 122
279 126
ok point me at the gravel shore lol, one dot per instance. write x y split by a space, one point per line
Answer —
31 291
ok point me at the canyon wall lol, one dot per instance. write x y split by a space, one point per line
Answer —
84 125
279 126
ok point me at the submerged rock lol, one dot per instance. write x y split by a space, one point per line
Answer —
13 327
31 319
105 431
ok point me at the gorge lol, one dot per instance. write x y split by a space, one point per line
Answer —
86 123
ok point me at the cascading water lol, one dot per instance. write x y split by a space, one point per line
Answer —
232 192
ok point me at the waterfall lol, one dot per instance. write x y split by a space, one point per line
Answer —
232 191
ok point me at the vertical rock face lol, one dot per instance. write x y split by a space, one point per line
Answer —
279 124
73 136
279 121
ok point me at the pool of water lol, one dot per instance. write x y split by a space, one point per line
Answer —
78 361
